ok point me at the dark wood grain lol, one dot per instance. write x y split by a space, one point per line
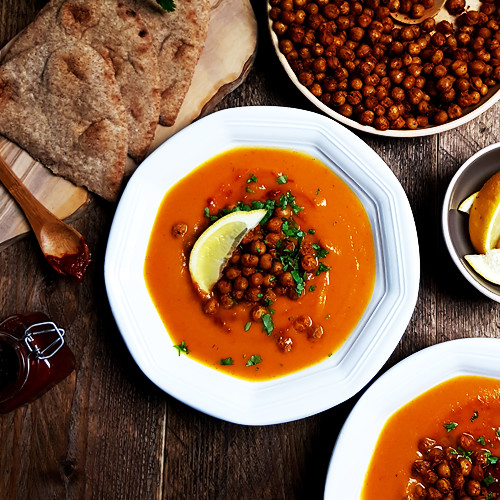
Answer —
107 432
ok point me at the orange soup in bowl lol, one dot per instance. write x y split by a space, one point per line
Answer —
293 289
444 444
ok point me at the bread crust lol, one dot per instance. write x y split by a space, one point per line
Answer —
61 103
122 37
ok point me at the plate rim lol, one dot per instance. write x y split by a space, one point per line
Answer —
455 358
410 262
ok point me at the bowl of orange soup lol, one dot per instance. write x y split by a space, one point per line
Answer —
429 427
313 295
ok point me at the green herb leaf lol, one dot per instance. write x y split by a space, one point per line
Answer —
465 453
489 480
497 432
312 288
182 347
227 361
322 268
267 321
251 178
254 359
481 440
311 231
248 190
282 179
321 252
474 416
449 427
247 326
491 459
168 5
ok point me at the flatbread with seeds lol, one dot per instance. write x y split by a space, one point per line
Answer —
62 104
120 35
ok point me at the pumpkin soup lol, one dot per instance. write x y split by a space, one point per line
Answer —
294 287
443 444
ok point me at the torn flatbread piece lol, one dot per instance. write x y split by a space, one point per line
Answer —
179 38
63 106
119 34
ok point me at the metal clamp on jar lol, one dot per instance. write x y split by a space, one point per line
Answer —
33 358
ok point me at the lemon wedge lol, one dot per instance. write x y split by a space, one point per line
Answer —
216 244
488 266
466 205
484 216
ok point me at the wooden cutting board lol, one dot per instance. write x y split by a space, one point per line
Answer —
224 64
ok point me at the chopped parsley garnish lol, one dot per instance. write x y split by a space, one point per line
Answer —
168 5
282 179
497 432
253 360
182 347
227 361
449 427
312 288
317 192
247 326
299 280
481 440
251 178
248 190
491 459
489 480
311 231
465 453
321 252
289 199
267 321
474 416
322 268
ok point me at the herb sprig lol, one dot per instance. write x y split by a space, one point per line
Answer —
167 5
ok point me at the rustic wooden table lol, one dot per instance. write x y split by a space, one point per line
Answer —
107 432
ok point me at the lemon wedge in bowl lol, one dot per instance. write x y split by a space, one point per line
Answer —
216 244
484 216
466 205
487 266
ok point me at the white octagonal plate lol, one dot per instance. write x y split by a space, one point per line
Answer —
308 391
395 388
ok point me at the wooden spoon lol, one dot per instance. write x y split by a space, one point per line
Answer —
406 19
63 247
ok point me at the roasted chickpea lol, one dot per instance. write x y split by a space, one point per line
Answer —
211 306
249 260
240 283
286 279
253 294
232 273
302 323
255 279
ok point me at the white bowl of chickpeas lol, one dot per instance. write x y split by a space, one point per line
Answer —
362 68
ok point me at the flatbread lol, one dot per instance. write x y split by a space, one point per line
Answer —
179 38
119 34
62 104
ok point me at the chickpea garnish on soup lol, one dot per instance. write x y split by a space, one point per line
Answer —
444 444
358 61
293 288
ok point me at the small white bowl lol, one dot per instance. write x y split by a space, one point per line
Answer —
472 112
395 388
372 341
469 178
